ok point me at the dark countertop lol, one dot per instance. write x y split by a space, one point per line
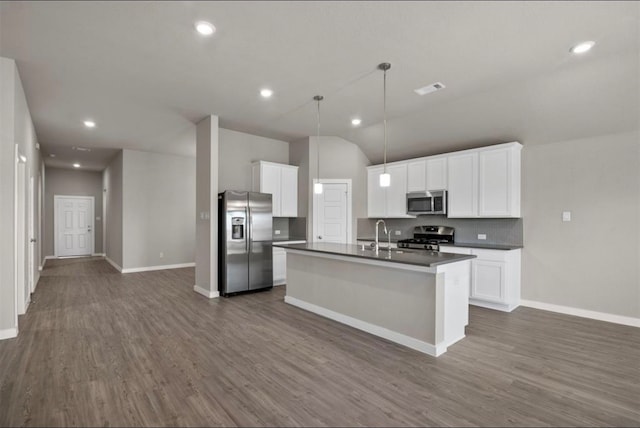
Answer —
410 257
287 239
505 247
382 239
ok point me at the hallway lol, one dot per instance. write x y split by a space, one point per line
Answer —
100 348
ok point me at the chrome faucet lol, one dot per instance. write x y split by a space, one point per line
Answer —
385 231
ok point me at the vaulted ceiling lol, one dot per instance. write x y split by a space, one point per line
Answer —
145 76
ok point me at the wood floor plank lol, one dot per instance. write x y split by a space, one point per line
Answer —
98 348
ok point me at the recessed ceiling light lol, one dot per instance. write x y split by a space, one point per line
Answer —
583 47
266 93
205 28
356 122
76 165
89 124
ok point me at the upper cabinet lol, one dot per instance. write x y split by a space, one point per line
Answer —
281 181
482 182
387 202
417 176
463 185
436 173
485 182
499 182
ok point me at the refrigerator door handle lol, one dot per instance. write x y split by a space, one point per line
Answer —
250 228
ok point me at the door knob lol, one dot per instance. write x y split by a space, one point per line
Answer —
319 237
32 240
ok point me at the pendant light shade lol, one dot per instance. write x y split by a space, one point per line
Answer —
317 186
385 177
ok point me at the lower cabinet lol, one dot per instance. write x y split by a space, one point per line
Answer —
280 263
495 277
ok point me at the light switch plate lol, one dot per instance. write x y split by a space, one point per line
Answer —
277 232
398 232
566 216
482 236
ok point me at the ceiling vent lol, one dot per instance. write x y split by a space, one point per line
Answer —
429 88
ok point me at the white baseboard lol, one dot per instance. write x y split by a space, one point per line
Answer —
206 293
163 267
490 305
114 264
584 313
402 339
8 333
97 255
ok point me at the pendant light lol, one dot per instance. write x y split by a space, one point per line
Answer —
385 177
317 186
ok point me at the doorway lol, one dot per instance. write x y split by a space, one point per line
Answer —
73 225
332 218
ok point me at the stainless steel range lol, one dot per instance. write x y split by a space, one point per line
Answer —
428 238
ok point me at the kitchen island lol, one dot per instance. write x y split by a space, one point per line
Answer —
415 298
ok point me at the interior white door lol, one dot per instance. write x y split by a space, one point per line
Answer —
32 237
74 226
332 213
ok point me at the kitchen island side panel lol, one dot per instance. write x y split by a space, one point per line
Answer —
403 301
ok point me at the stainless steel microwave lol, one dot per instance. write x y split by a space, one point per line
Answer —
420 203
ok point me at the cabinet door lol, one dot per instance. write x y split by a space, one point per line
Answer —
494 186
289 189
376 195
416 178
397 191
463 185
436 177
279 266
488 280
270 183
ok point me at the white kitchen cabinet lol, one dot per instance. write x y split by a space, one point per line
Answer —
279 266
462 178
280 263
499 182
397 191
436 173
417 176
376 195
281 181
495 277
387 202
289 191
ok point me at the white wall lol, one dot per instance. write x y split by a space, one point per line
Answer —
158 208
237 150
16 127
592 262
339 158
72 182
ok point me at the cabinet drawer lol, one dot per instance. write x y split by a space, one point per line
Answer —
490 255
455 250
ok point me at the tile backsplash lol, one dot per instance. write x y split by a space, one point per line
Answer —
497 230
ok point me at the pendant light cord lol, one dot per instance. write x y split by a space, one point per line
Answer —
318 140
384 107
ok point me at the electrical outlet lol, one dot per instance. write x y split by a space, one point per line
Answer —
277 232
482 236
161 254
566 216
398 232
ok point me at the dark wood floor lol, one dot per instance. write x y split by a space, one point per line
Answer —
100 348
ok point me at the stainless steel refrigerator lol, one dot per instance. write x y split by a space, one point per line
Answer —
245 236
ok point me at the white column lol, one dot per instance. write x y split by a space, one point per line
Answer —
207 207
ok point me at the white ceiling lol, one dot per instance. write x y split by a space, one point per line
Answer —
145 76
